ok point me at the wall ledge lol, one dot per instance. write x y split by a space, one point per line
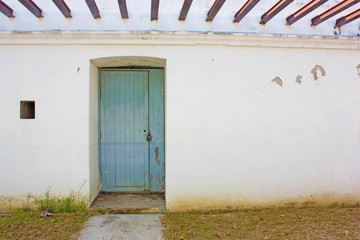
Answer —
178 38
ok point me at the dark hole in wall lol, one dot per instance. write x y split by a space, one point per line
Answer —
27 109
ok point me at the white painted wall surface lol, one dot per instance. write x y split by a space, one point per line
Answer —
169 10
233 137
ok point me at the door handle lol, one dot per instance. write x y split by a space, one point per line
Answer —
149 137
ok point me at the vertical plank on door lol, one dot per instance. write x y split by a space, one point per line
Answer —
157 121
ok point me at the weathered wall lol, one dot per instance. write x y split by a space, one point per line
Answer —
234 137
51 150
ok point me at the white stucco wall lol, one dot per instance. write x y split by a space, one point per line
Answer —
234 138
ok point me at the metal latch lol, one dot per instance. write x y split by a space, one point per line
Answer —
149 137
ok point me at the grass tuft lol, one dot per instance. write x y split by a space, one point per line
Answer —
69 213
70 203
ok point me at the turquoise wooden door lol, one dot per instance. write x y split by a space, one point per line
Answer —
131 130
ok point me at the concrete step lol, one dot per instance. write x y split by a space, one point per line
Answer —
129 203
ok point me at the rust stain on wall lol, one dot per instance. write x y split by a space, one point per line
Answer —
298 79
157 158
314 71
233 202
278 81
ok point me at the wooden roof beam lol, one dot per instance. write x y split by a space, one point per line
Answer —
64 9
154 10
32 7
214 10
93 8
245 9
280 5
348 18
123 9
306 9
6 10
185 9
337 8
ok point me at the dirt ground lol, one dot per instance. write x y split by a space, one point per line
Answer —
276 223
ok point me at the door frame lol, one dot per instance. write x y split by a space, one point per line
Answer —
116 62
152 158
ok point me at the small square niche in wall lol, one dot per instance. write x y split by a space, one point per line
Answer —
27 109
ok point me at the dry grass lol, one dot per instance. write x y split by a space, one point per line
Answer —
276 223
27 224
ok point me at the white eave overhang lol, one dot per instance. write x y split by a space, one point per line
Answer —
171 38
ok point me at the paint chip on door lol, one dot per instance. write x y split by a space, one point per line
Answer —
157 158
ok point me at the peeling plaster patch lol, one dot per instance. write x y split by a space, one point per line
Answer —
314 71
358 70
298 79
278 81
157 158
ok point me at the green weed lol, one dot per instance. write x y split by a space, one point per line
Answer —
70 203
